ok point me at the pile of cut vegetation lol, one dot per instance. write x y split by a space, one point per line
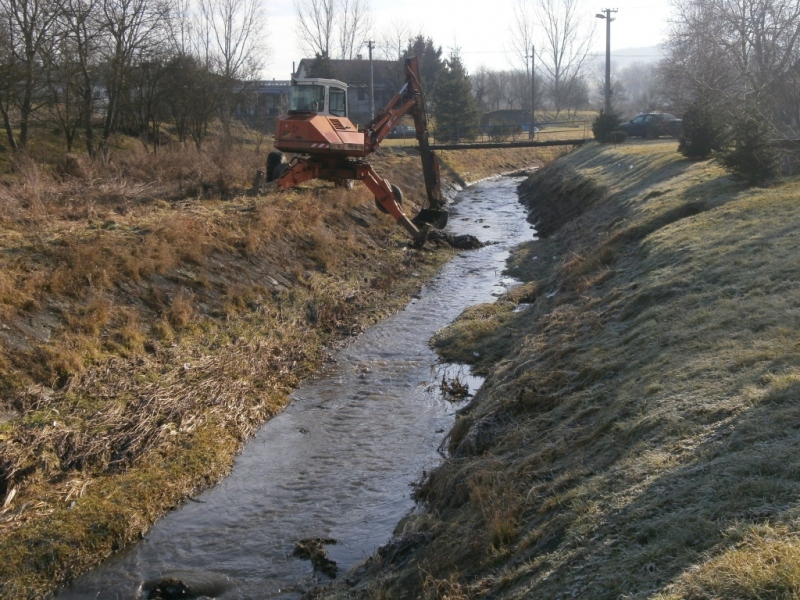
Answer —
639 432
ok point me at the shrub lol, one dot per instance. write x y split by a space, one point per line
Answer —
751 156
702 131
500 130
604 125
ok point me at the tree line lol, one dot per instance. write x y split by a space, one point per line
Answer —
732 71
102 66
339 28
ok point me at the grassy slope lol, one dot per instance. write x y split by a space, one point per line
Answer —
639 432
152 316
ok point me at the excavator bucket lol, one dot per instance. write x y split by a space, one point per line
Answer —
431 216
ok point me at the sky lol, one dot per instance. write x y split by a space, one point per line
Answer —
482 30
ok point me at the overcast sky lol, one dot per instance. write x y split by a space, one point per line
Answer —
481 29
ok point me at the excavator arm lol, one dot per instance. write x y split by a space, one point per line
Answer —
410 100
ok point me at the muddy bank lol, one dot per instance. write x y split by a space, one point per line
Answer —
626 442
143 340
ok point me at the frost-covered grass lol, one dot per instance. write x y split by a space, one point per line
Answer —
639 431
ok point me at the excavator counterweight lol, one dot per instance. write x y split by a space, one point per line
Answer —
326 145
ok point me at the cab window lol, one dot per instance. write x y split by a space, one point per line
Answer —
304 98
337 99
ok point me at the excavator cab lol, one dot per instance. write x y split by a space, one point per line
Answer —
319 96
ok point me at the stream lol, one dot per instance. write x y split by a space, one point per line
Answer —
339 461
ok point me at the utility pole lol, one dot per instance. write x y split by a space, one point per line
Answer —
607 17
529 71
371 45
533 92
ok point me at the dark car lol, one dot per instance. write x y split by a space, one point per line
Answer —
653 125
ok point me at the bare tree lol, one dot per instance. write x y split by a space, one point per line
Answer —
522 33
315 25
146 99
394 39
736 52
28 25
179 27
236 47
129 26
63 77
80 27
567 38
9 76
635 88
355 22
324 26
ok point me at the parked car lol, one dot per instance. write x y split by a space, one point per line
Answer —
401 132
653 125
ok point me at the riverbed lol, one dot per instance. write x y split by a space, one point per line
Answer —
339 462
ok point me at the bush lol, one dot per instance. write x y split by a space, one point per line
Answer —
604 125
702 131
751 156
500 130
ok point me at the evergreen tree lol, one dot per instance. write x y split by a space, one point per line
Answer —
322 67
605 127
703 130
429 59
455 108
751 155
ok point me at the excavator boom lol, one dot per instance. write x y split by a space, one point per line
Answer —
410 100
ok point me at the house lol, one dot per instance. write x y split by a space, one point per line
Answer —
387 77
260 102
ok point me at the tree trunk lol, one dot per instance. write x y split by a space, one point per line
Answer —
12 141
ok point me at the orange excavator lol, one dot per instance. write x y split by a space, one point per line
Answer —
326 145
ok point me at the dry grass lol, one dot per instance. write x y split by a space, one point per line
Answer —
638 433
151 317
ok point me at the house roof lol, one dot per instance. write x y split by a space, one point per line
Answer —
356 72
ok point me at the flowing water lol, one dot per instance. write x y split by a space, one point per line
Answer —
339 461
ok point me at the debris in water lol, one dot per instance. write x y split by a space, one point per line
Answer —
185 584
459 242
313 549
454 390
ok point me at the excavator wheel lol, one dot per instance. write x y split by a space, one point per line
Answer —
274 159
398 195
279 170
